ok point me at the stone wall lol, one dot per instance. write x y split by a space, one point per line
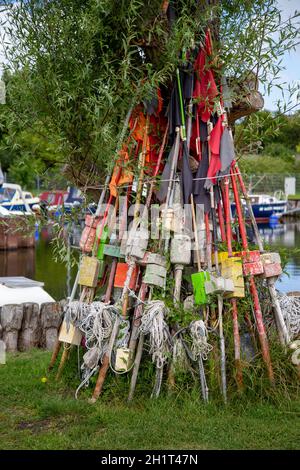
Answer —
29 325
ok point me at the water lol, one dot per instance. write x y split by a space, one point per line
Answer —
39 264
285 236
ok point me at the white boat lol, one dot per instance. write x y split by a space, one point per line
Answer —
6 213
264 206
19 290
15 200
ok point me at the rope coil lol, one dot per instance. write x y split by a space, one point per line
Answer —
290 307
153 323
200 347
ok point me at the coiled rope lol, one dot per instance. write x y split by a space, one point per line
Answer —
290 307
153 323
200 347
95 321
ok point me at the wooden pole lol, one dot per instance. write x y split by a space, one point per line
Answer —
65 356
282 329
257 309
236 334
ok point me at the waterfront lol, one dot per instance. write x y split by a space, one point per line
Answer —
39 264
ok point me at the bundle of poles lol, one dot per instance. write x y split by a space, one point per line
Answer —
175 204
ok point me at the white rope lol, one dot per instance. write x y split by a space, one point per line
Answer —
85 381
139 301
97 325
153 323
200 347
96 322
290 307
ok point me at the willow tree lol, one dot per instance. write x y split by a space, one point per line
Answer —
74 67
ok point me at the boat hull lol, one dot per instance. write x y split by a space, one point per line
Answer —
265 211
11 207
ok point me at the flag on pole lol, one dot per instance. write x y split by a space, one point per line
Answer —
205 89
215 161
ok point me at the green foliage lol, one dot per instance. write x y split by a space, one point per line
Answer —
254 39
273 134
279 150
261 164
27 152
255 130
267 143
75 67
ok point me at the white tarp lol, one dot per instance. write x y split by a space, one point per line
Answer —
21 295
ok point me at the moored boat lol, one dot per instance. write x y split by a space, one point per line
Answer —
61 201
264 206
15 200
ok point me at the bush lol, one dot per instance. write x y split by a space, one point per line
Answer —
279 150
259 164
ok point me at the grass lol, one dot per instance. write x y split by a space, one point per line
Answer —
37 415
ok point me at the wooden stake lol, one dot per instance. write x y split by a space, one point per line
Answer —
257 309
65 356
55 353
236 334
282 329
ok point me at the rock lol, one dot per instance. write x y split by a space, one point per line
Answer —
51 317
30 334
11 321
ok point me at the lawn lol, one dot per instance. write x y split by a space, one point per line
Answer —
37 415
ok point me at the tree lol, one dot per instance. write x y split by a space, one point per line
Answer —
274 134
76 66
26 153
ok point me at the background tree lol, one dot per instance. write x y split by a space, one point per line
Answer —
76 66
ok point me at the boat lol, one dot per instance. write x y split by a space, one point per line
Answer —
15 200
61 201
19 289
52 200
264 206
73 200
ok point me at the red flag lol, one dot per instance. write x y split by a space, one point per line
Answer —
214 145
205 89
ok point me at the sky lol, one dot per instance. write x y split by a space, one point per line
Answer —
291 60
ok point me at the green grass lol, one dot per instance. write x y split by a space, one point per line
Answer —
36 415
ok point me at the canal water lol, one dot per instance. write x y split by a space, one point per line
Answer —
39 264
